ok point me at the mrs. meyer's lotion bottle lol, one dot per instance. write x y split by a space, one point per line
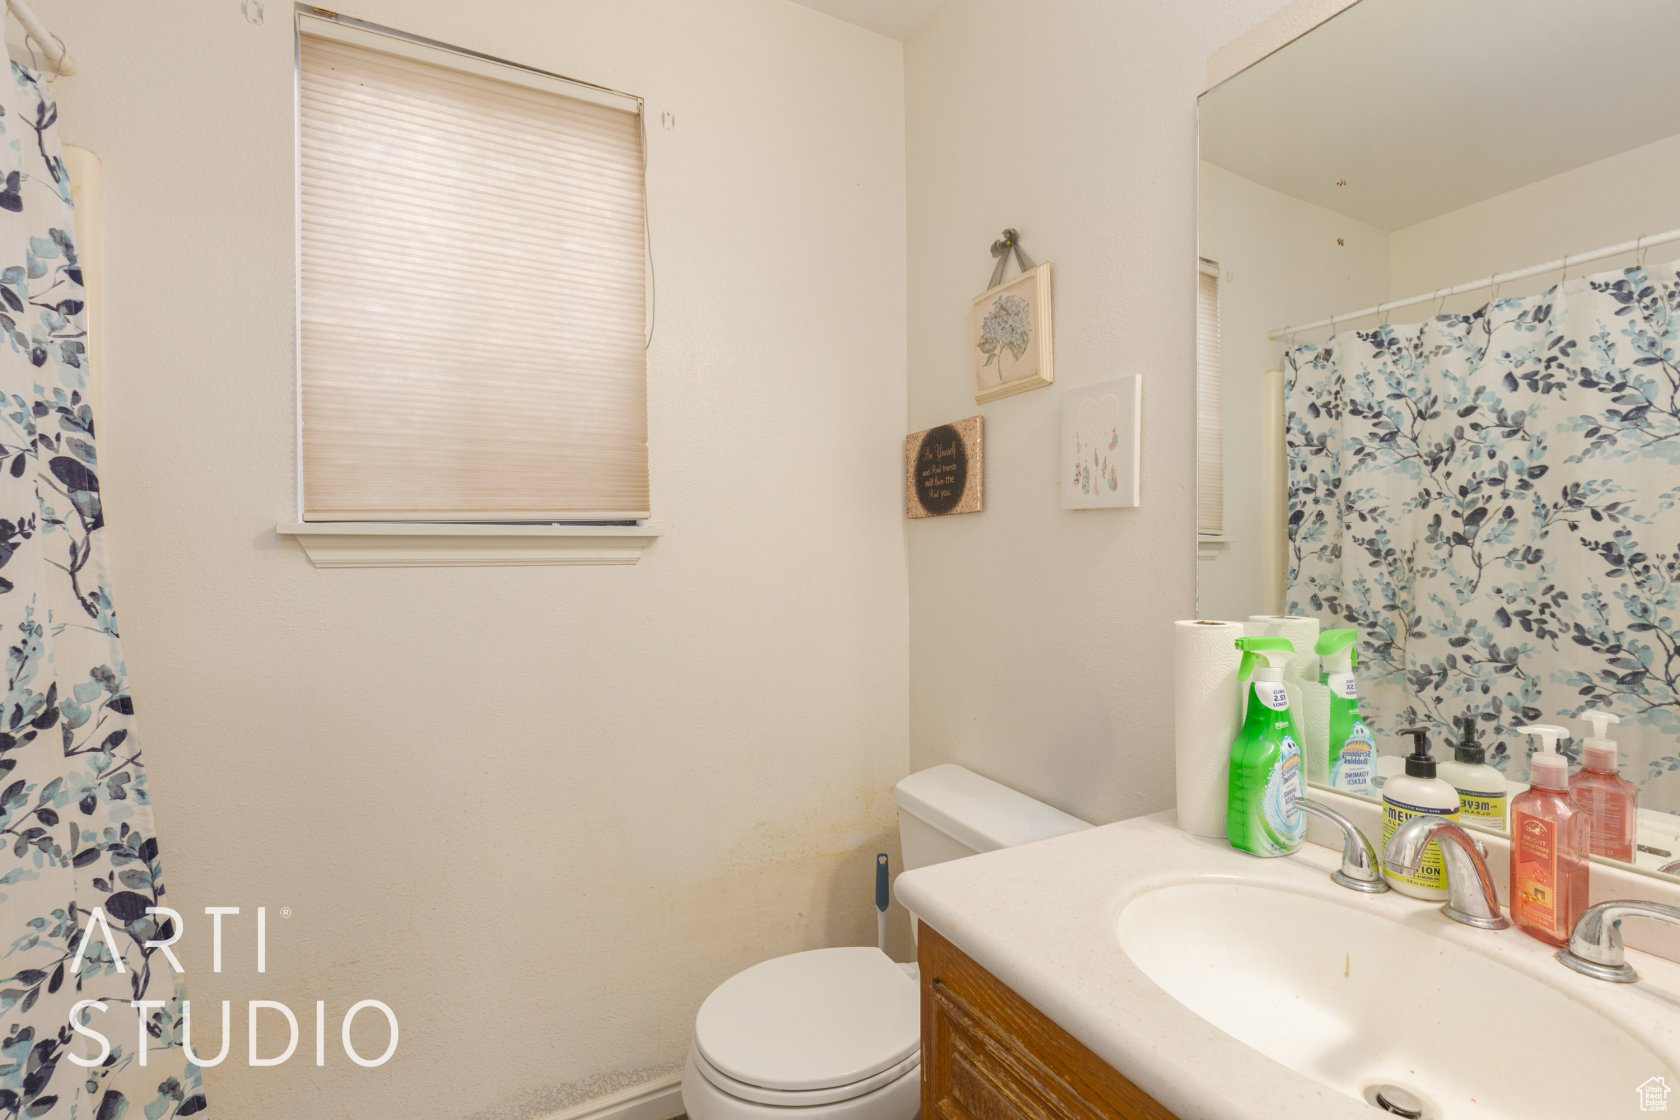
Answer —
1418 793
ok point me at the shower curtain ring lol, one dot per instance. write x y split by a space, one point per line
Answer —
1639 251
1564 279
1440 301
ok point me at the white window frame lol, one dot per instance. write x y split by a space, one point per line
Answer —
385 544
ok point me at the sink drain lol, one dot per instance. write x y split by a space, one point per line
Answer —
1396 1100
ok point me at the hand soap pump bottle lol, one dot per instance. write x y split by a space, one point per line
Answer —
1350 761
1262 816
1609 799
1481 788
1417 793
1549 845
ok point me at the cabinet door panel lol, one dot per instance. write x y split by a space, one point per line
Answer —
987 1054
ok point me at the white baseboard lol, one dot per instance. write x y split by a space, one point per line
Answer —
657 1100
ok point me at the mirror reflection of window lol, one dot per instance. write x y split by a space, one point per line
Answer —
1210 434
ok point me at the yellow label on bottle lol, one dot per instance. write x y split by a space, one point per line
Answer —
1431 873
1483 808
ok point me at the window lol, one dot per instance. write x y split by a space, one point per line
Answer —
472 288
1210 432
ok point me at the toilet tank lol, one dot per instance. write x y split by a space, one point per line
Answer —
948 812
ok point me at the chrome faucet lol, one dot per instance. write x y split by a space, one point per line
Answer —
1471 895
1595 945
1360 870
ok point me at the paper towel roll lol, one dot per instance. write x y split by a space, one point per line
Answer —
1207 704
1313 719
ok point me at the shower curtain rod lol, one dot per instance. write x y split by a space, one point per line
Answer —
51 45
1638 243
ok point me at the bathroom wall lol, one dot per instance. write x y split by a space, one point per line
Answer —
540 811
1254 232
1037 635
1601 203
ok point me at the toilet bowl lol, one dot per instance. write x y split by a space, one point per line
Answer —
835 1034
832 1034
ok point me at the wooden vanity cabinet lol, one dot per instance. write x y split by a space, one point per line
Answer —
987 1054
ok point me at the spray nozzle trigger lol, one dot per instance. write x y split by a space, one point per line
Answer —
1339 642
1275 652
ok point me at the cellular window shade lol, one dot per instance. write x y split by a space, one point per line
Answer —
1210 430
472 296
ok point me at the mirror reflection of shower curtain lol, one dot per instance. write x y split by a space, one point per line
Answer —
1491 499
74 809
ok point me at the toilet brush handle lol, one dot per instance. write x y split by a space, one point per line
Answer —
881 898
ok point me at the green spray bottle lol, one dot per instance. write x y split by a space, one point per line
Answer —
1351 763
1262 815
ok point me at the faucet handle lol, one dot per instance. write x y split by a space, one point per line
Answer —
1595 944
1361 870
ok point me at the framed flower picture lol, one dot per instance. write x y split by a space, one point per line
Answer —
1010 328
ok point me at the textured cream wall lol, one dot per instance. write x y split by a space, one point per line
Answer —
1038 636
539 811
1259 236
1601 203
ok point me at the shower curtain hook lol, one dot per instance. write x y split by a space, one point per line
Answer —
1440 301
1564 279
1639 251
1386 311
1498 283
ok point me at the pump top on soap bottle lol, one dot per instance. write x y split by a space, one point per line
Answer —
1599 751
1547 768
1420 763
1469 749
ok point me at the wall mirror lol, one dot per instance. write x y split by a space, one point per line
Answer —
1439 370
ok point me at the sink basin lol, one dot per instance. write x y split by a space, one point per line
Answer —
1355 998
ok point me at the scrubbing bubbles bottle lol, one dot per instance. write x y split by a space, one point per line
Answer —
1262 814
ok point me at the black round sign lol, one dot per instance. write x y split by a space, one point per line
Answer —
941 470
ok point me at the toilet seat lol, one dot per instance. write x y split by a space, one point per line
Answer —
800 1098
810 1028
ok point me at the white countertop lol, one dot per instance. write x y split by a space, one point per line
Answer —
1043 919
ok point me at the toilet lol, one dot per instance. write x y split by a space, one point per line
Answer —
835 1034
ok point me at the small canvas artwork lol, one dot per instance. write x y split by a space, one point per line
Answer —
1010 325
1100 438
945 469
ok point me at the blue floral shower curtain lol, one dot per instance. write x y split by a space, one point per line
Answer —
74 814
1491 499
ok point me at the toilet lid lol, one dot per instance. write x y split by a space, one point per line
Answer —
815 1020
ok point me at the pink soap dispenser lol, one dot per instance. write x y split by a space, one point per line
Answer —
1549 846
1609 799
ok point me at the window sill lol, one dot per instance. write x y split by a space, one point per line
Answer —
1210 545
379 544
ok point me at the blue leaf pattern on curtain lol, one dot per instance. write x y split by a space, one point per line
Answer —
74 813
1491 499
